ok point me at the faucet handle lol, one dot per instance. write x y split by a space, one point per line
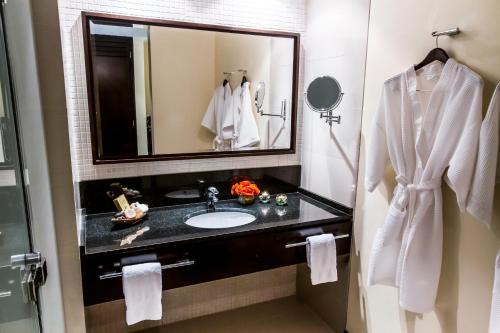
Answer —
212 190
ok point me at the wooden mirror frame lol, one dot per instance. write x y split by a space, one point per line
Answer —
87 16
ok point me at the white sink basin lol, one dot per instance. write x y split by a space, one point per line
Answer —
222 218
183 194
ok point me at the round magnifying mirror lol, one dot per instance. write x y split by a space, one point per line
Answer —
324 94
260 92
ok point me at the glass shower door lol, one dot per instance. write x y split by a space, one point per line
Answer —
18 313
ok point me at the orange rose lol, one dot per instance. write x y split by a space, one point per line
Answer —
245 188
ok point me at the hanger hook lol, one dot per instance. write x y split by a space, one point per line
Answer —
437 41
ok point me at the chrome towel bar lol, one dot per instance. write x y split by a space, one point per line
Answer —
175 265
305 243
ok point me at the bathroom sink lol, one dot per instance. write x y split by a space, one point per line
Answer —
219 219
184 194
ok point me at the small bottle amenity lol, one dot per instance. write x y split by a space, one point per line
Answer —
129 213
246 192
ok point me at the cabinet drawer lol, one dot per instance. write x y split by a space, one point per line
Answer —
208 260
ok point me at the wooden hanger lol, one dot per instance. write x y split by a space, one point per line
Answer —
436 54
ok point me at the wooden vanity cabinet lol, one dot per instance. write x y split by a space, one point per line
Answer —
213 258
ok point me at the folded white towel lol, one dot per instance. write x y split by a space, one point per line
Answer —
495 300
322 258
142 289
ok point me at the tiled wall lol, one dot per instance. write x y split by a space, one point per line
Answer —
287 15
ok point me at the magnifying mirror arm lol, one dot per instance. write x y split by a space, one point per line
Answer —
330 118
282 114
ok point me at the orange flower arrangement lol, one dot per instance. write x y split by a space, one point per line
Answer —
245 188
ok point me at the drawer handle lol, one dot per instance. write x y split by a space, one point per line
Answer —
287 246
175 265
4 294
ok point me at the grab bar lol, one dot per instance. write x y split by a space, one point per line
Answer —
287 246
175 265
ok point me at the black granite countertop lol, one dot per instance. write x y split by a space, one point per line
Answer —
166 224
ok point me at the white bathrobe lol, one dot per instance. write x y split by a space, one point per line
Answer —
219 106
495 299
239 124
421 146
480 200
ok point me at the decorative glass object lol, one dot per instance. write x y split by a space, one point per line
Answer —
281 199
264 197
246 199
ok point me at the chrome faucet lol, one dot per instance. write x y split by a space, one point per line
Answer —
211 195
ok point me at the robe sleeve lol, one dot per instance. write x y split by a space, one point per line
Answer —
480 199
209 119
462 162
377 150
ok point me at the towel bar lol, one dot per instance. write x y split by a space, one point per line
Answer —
305 243
175 265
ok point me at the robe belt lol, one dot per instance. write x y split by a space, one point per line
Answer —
410 191
216 143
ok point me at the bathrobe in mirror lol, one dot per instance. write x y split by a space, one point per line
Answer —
421 144
218 107
240 125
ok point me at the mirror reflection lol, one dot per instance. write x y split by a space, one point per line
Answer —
161 90
259 96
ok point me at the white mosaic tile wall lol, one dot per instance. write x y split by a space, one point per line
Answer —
286 15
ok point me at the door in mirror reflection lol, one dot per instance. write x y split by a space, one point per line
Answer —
159 90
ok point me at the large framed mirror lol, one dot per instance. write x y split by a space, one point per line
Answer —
161 90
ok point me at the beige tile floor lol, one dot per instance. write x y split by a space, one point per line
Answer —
282 315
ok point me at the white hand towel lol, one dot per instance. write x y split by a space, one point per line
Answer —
495 300
322 258
142 289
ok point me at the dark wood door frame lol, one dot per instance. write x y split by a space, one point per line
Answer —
114 54
87 16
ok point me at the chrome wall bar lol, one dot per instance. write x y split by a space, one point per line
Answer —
163 267
287 246
449 32
243 71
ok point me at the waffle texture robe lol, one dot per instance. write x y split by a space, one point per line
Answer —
422 146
